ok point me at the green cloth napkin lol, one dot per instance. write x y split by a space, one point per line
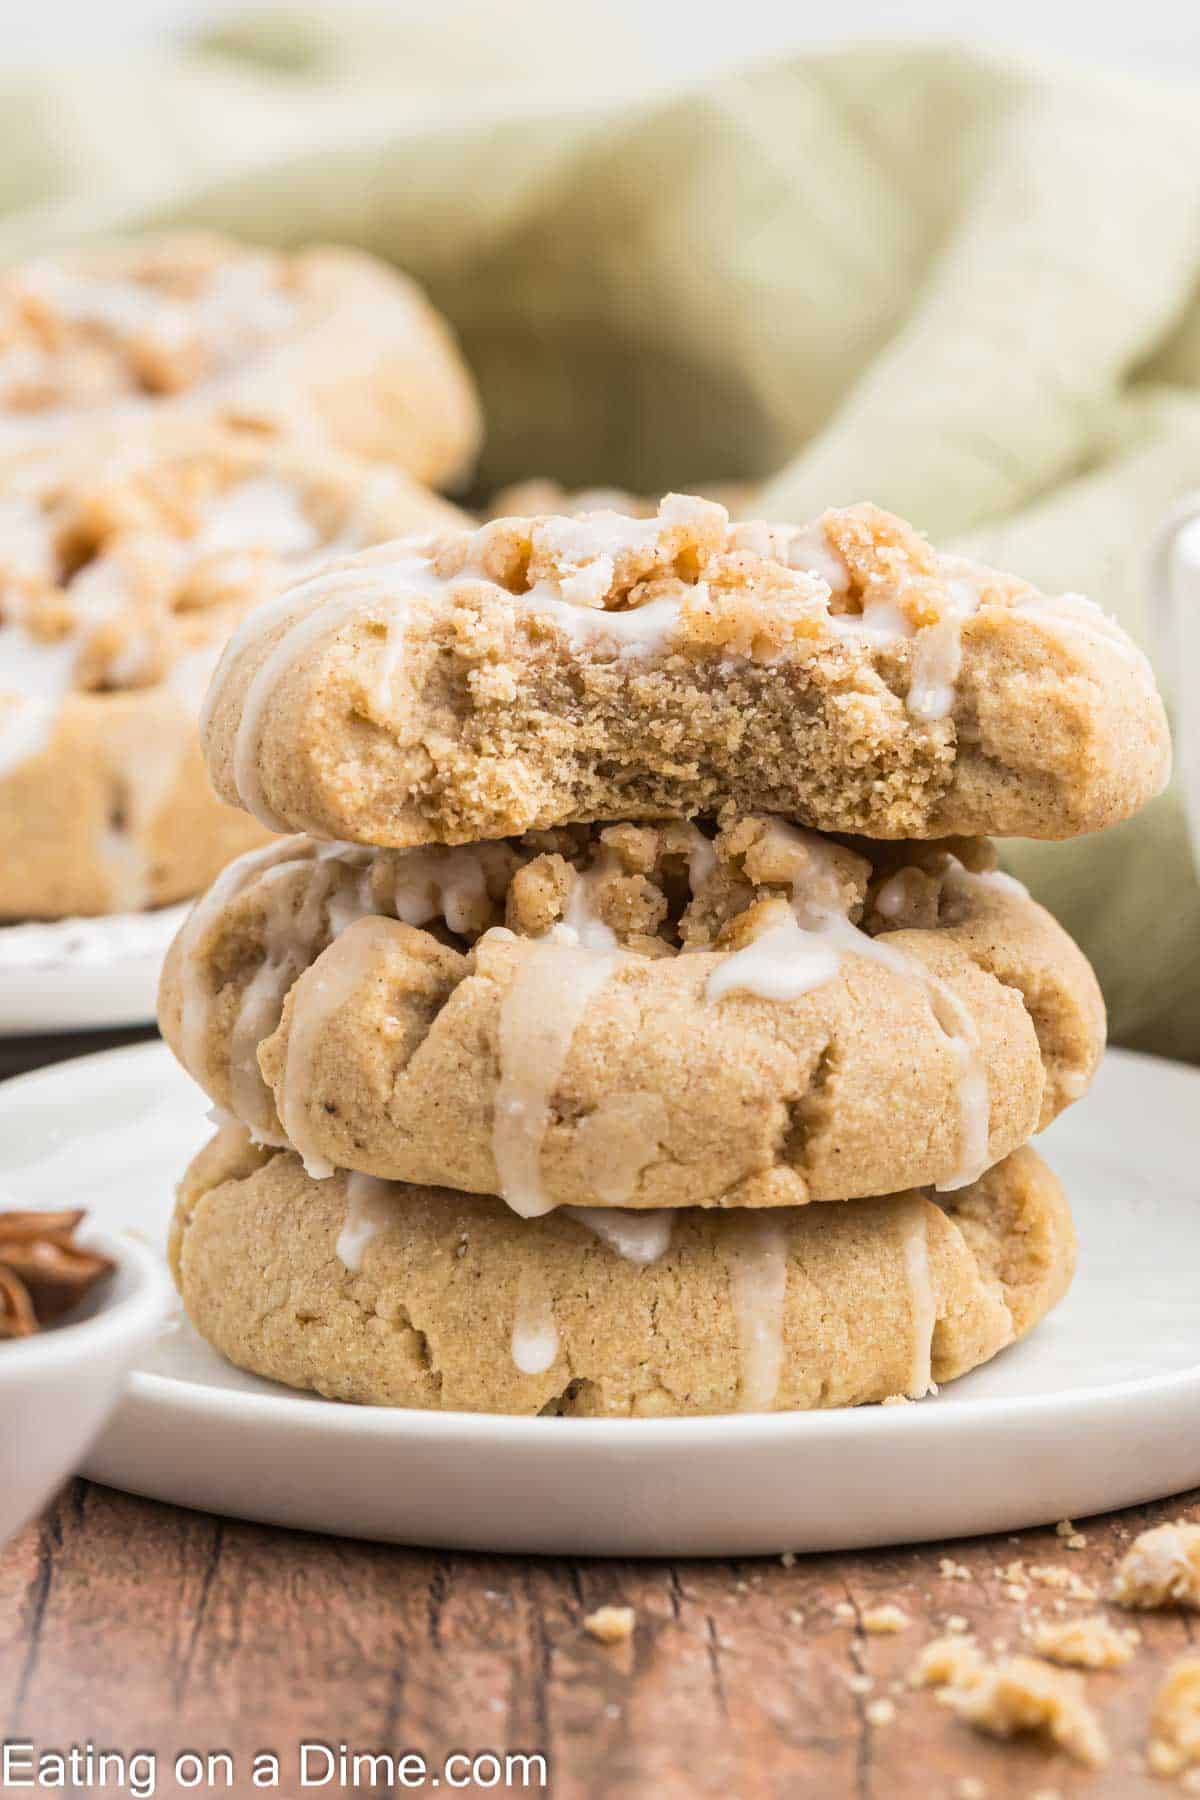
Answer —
963 286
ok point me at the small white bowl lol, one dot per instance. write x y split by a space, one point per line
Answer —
58 1388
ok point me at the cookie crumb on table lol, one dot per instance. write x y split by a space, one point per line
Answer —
950 1570
946 1661
1161 1568
1021 1694
1055 1575
880 1621
1175 1720
1090 1643
880 1712
611 1624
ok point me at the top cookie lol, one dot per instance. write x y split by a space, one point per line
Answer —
539 672
325 341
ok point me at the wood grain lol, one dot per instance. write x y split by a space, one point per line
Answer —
142 1626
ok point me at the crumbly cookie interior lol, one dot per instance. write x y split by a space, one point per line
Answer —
539 671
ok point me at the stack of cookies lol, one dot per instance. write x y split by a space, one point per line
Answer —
186 427
639 1024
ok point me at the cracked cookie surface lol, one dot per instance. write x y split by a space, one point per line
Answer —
537 672
636 1016
446 1300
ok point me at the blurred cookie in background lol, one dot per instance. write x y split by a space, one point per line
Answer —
124 565
326 342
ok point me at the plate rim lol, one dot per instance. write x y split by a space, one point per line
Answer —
314 1414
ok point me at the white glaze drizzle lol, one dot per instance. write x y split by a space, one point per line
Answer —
440 883
246 773
307 611
196 996
957 876
262 513
539 1016
588 546
790 958
239 305
922 1302
36 680
756 1256
290 924
781 963
636 1237
534 1332
636 631
287 941
371 1208
937 653
802 547
320 991
259 513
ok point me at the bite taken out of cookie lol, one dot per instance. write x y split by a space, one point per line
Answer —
546 671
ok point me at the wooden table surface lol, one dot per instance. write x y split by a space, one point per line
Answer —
139 1626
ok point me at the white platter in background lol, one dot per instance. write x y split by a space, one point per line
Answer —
1099 1409
84 974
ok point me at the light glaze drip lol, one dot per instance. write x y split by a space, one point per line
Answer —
260 514
534 1333
449 884
791 958
937 653
197 997
539 1016
320 992
371 1208
781 963
922 1302
756 1253
636 1237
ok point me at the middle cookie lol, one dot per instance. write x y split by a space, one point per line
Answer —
635 1015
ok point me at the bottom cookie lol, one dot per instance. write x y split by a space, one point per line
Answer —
393 1295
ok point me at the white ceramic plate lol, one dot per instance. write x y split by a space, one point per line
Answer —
1098 1409
84 974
